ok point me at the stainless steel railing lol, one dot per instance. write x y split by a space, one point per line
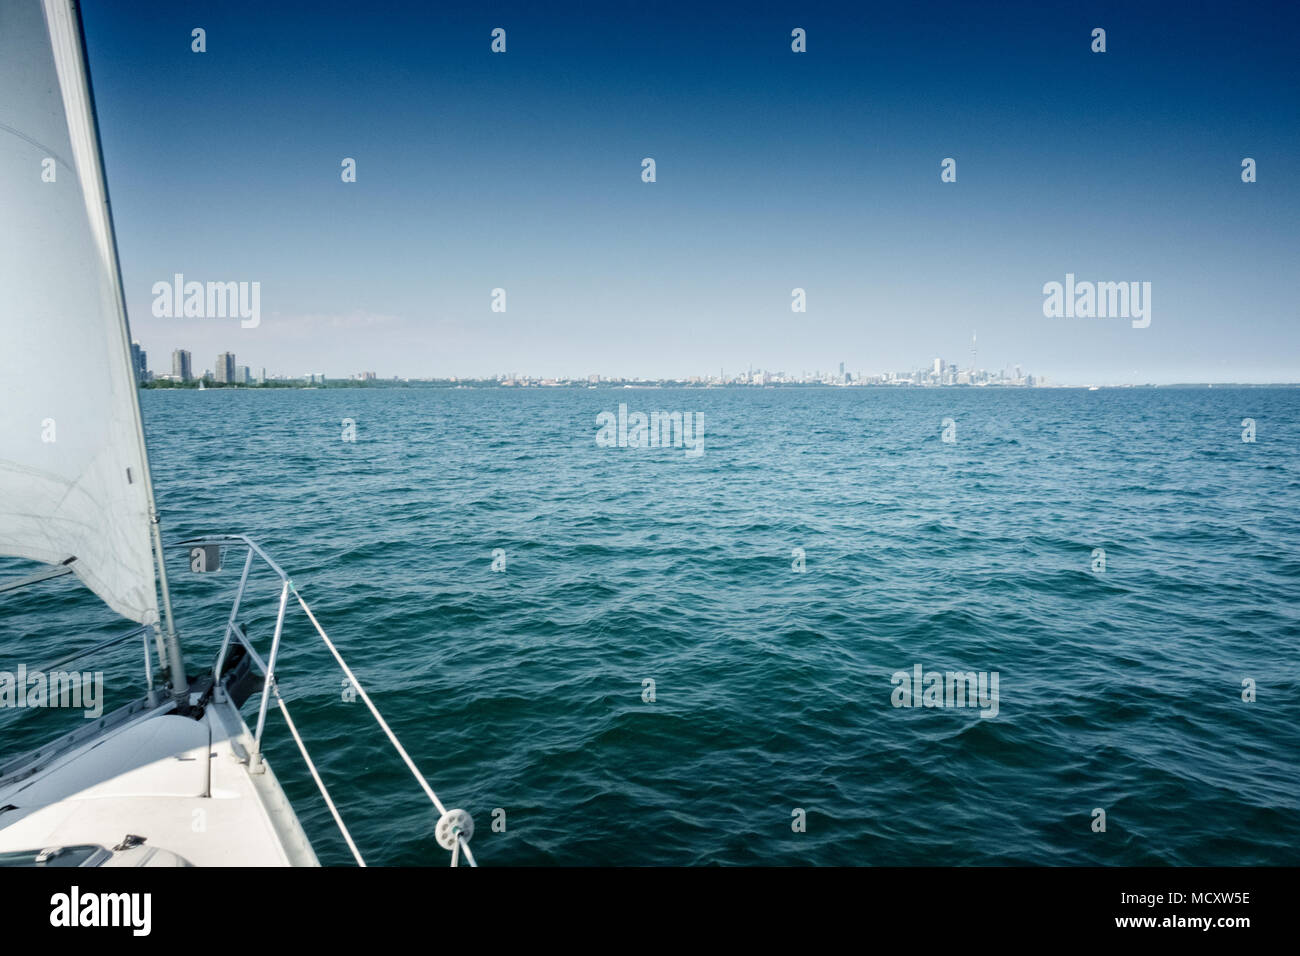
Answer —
454 828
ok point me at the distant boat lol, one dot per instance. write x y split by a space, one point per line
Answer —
1092 388
202 387
174 777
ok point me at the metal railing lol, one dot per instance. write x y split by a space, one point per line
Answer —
454 828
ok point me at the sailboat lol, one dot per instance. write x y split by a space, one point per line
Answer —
176 777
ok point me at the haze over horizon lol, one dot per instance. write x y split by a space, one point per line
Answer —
775 170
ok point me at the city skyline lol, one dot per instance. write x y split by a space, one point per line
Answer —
937 372
227 370
858 374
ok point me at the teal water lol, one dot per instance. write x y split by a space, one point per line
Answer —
522 689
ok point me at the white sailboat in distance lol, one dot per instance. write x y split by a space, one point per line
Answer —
127 787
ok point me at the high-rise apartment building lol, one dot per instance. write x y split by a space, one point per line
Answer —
139 363
182 366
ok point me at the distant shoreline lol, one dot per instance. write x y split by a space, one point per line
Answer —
653 384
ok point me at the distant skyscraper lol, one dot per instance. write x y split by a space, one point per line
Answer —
139 362
182 369
261 375
225 369
243 376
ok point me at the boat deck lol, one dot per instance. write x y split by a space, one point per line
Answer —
183 785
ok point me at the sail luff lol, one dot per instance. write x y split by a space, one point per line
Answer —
67 13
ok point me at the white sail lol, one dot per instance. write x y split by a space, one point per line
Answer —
74 479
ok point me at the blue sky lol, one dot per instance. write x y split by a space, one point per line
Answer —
775 170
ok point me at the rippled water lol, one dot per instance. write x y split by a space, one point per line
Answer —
522 690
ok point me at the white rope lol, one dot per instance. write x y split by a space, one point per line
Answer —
415 771
284 708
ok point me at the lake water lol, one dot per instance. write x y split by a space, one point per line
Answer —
525 689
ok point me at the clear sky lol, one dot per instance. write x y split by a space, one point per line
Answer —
775 170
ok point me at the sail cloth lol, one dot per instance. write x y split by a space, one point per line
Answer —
73 473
